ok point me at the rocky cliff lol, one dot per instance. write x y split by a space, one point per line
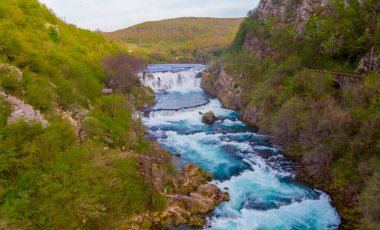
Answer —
218 83
289 11
288 74
283 13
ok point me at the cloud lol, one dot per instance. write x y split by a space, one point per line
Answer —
111 15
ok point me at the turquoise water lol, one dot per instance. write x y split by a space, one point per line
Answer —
257 176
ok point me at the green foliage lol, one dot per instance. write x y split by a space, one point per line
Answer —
332 128
33 39
48 180
142 146
5 111
10 80
290 66
177 40
40 99
54 35
370 203
75 190
111 119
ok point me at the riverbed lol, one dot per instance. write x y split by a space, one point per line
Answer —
259 179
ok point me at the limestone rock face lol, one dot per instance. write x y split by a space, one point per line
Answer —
251 115
294 12
190 178
23 111
191 199
261 47
75 118
207 190
286 12
364 64
220 84
198 204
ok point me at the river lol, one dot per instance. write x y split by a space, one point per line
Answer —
258 177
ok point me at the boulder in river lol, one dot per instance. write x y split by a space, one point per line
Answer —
209 118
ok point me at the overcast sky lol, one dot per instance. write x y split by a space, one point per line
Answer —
110 15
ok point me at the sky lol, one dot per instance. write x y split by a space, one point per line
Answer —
111 15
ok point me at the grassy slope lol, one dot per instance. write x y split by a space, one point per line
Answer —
333 132
180 39
47 181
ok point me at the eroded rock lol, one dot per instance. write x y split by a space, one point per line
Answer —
23 111
190 200
209 118
365 66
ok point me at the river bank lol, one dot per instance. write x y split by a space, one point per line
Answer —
258 178
218 83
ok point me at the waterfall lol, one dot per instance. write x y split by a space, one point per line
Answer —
257 176
175 113
177 81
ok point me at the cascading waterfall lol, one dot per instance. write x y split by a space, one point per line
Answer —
164 81
257 176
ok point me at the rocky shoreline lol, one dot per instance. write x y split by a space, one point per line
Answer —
218 83
190 195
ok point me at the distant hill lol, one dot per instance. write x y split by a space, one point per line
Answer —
179 39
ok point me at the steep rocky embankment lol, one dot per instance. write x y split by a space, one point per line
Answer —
190 195
218 83
305 72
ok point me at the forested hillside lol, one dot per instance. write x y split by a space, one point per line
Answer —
178 40
307 73
60 163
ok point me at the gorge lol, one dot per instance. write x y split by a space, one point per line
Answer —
277 126
259 179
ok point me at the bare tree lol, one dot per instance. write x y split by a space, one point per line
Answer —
122 70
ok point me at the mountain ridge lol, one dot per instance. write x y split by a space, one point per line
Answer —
185 39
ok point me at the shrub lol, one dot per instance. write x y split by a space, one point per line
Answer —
5 111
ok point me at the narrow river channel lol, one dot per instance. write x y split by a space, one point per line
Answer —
257 176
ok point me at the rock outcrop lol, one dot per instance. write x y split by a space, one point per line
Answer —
218 83
23 111
75 119
294 12
286 12
365 66
190 199
209 118
250 115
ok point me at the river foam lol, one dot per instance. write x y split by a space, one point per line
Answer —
257 176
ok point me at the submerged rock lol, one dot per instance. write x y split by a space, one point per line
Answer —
209 118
